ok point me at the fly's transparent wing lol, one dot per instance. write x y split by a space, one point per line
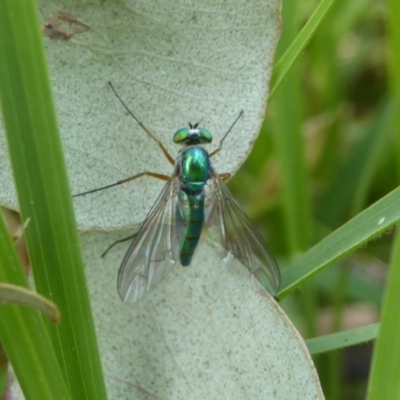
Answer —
153 252
229 226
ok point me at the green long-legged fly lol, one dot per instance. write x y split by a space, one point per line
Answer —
194 197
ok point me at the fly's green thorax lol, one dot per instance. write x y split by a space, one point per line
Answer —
195 168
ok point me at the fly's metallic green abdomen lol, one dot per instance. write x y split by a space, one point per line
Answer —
194 171
190 217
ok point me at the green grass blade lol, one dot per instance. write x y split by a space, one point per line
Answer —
290 148
24 334
365 226
14 294
44 196
384 380
289 143
297 47
341 340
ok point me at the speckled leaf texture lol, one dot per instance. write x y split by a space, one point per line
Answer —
172 62
207 332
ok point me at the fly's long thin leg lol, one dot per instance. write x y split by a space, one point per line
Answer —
152 136
218 149
116 242
131 178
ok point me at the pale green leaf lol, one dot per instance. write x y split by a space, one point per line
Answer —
171 64
207 331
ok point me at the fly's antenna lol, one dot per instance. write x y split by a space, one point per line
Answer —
218 149
194 126
151 135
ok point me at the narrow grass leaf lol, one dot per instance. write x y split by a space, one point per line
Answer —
24 335
288 140
44 196
384 380
364 227
343 339
14 294
297 47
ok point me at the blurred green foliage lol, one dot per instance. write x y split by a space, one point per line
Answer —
326 152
